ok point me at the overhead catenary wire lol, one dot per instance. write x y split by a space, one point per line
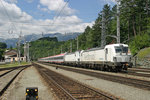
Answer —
19 39
8 14
59 13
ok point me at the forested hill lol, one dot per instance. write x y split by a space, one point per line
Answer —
44 47
49 39
134 30
3 47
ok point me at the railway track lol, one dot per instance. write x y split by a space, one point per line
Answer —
6 72
10 69
135 72
139 74
68 89
142 72
139 70
20 69
142 84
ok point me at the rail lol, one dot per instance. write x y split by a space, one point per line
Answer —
69 89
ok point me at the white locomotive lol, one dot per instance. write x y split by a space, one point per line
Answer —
111 57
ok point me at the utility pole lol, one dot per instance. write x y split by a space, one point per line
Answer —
25 51
70 46
18 44
28 58
118 22
61 49
43 41
103 34
71 43
77 44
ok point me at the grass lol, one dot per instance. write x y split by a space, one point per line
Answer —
13 64
143 53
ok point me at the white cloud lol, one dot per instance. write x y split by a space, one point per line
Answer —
15 20
11 1
29 1
110 1
57 5
114 1
43 9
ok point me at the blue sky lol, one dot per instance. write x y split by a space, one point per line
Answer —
87 10
36 16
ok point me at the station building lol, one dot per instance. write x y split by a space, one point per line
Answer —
12 56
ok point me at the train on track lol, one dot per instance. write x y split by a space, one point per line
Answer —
113 57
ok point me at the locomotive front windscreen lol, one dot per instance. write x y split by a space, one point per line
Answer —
125 49
121 49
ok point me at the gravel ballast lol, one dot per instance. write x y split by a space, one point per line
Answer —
2 72
6 78
28 78
116 89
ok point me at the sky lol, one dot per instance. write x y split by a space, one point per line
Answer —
47 16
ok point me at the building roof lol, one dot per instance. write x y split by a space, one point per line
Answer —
11 52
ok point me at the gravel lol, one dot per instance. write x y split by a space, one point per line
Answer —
116 89
28 78
2 72
5 79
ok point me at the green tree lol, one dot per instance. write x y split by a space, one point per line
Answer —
3 45
1 54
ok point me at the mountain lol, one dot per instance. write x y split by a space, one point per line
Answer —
9 42
60 37
33 37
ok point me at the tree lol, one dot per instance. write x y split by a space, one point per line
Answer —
3 45
1 54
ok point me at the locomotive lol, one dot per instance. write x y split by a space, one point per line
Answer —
113 57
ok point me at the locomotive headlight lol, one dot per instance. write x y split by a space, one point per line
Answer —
114 59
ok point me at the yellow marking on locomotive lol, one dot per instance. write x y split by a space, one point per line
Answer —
127 64
36 97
